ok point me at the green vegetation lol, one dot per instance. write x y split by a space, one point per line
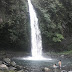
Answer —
14 28
62 53
66 52
55 19
55 22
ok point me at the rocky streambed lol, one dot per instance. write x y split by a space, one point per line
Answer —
9 62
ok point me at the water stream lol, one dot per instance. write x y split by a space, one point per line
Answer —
36 41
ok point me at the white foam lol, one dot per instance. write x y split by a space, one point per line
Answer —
35 58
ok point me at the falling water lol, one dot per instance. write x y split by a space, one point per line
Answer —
36 41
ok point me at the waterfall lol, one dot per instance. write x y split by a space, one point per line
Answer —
36 41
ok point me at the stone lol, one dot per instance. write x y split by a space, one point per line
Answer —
7 60
27 71
20 71
62 56
13 63
46 69
0 62
3 66
69 71
19 67
1 71
63 71
12 68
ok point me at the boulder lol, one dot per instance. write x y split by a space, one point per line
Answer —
20 71
27 71
19 67
0 62
7 60
3 66
69 71
63 71
62 56
13 63
12 68
46 69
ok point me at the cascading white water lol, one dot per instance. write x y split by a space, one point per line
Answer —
36 42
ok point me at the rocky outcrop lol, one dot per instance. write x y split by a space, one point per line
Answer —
8 65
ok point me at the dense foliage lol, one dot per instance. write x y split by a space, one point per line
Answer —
55 22
14 28
55 18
